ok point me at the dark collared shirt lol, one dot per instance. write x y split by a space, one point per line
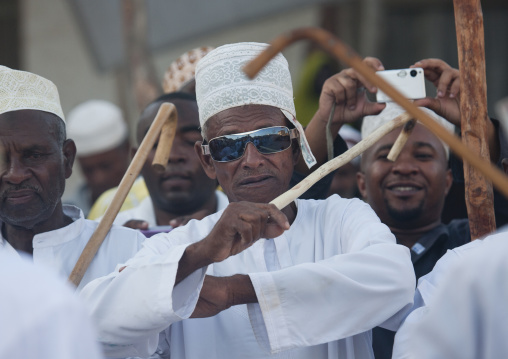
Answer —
424 255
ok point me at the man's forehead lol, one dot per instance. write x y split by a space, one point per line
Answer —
188 115
29 129
24 120
420 137
246 118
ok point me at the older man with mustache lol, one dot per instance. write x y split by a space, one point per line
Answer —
307 281
36 160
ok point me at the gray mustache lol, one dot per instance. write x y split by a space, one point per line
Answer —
11 188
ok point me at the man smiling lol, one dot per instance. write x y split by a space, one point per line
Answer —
309 280
408 195
183 190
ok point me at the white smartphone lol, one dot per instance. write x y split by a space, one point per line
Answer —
410 82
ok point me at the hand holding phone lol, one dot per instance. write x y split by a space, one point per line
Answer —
410 82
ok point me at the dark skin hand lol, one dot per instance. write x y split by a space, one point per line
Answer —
447 102
136 224
347 91
176 222
342 91
237 230
221 293
183 220
240 226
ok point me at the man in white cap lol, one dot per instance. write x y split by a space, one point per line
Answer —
37 160
307 281
179 77
101 136
455 315
409 194
182 191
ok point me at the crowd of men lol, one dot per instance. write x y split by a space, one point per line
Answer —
229 275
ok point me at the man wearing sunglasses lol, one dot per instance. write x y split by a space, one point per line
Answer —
309 280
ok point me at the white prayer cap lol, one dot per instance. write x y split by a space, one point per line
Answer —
350 135
392 110
221 84
96 126
183 69
21 90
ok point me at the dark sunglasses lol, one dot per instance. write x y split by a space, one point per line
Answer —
266 140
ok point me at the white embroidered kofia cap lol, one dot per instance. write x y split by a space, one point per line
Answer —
96 126
21 90
392 110
183 69
221 84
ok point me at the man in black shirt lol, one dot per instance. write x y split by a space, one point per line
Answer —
408 194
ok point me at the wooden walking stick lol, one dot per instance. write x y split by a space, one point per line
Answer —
473 110
289 196
334 46
164 124
399 143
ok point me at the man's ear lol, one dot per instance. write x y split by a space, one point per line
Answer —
206 161
360 181
69 154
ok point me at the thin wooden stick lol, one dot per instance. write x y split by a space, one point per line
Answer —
165 112
334 46
400 142
286 198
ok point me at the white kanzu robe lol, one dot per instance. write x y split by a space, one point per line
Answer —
40 317
322 285
430 284
61 248
467 316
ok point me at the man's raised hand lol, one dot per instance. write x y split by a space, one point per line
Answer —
239 227
345 90
447 81
242 224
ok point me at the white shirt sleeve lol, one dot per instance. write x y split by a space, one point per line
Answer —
425 294
467 317
340 296
40 315
131 307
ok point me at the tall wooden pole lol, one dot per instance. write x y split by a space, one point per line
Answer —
473 109
141 73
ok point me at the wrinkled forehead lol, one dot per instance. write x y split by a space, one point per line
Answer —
188 116
243 119
29 122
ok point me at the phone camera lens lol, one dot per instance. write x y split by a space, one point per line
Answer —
413 73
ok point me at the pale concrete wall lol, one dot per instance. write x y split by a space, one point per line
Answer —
54 47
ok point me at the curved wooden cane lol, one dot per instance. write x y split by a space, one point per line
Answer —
164 124
344 53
